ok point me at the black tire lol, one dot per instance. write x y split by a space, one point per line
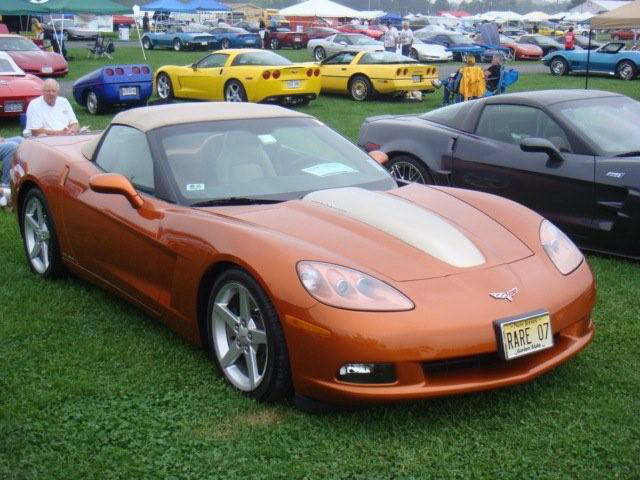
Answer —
275 382
164 87
409 169
177 44
224 44
147 43
34 198
626 70
274 44
414 54
93 103
234 92
558 66
360 88
319 54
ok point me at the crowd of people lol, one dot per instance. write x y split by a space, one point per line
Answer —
50 115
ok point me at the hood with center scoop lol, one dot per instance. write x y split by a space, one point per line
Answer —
410 233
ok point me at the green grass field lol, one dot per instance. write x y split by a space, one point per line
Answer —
92 388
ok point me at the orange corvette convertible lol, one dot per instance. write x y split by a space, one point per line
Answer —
298 261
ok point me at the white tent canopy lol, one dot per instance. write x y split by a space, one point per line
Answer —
500 17
536 17
320 8
371 14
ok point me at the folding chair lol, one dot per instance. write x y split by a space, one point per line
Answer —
99 49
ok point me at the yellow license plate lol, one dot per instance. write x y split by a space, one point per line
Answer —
524 335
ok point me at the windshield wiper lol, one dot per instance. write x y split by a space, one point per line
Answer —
236 201
633 153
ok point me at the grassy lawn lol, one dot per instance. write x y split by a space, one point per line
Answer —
92 388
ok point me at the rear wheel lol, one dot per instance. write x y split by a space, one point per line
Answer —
408 169
414 54
147 44
94 105
164 88
246 339
177 44
319 53
626 70
274 44
224 44
234 92
558 66
39 236
360 88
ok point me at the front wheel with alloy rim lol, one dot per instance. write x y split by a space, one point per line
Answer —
360 88
559 66
177 44
39 236
146 43
414 54
319 53
225 43
246 339
408 169
94 105
626 70
234 92
164 88
274 43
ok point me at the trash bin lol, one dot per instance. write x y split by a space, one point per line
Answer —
123 33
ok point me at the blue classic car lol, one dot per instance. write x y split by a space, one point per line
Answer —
233 37
129 85
177 38
611 58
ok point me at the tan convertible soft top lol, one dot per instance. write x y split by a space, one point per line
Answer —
148 118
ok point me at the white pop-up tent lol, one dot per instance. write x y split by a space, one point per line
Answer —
319 8
536 17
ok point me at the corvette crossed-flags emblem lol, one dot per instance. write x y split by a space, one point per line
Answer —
508 295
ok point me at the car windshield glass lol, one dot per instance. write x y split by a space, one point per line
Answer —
542 40
455 38
261 58
376 58
8 68
362 40
611 123
16 44
282 158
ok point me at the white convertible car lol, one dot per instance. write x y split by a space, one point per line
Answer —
429 52
322 48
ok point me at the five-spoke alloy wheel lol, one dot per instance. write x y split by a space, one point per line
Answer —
164 88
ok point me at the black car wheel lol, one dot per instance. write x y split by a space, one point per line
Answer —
414 54
147 44
93 103
408 169
177 44
224 44
626 70
360 88
558 66
234 92
274 44
39 236
245 338
319 53
164 87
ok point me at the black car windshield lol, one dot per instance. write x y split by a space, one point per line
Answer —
612 124
382 57
16 44
282 158
260 58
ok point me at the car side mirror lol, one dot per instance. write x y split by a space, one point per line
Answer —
379 156
115 183
194 66
541 145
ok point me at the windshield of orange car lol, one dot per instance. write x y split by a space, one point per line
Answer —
611 123
272 158
260 58
16 44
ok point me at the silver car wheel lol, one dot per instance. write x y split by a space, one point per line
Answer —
625 71
163 87
36 235
406 172
239 336
319 53
557 67
92 103
233 93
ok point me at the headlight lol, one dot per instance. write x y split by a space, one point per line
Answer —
562 252
346 288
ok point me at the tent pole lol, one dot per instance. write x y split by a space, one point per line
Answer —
135 21
586 80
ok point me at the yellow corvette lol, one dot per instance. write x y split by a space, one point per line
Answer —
241 75
550 31
361 74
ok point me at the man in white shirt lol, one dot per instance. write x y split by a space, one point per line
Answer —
51 114
391 38
406 39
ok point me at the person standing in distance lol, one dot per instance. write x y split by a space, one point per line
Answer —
391 38
406 39
569 39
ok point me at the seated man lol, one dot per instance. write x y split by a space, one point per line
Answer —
8 146
492 74
50 114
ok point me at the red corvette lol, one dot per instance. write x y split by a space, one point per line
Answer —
31 59
283 37
521 51
17 88
319 32
368 31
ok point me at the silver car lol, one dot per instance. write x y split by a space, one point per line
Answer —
322 48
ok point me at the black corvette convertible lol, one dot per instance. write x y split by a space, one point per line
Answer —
572 155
